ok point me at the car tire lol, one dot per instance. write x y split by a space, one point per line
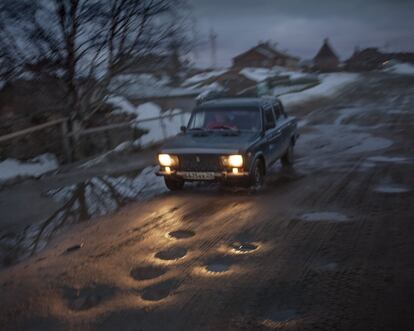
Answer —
174 184
288 158
257 175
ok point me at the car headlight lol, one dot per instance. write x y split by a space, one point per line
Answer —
167 160
233 161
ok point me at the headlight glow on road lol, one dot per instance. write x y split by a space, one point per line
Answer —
235 161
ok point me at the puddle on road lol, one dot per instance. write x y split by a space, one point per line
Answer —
89 297
174 253
280 318
217 267
146 273
324 217
243 247
159 291
79 202
181 234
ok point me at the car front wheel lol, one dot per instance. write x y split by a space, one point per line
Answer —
257 175
174 184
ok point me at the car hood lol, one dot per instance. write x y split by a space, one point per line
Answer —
210 142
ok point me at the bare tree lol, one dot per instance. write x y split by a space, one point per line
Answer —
84 43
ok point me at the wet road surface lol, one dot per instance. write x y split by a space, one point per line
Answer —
326 245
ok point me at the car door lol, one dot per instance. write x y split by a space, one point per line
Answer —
272 135
283 127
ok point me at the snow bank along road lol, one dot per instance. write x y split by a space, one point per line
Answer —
326 246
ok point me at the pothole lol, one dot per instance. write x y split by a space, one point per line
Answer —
241 247
282 315
145 273
181 234
159 291
217 267
174 253
87 298
73 248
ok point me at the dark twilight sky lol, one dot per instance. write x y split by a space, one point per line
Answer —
299 26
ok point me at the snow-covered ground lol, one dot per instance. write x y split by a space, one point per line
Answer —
159 130
330 84
198 78
261 74
401 69
11 168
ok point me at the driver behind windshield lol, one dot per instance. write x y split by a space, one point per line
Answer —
220 121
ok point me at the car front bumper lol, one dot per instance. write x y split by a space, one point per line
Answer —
203 175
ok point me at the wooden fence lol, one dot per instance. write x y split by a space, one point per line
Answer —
69 138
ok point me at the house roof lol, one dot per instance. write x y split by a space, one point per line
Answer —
267 51
326 51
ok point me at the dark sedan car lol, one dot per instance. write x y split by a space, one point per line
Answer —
229 140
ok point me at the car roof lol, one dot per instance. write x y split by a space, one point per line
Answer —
238 102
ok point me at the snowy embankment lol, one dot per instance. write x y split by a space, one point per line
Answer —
157 129
11 168
401 69
201 77
330 84
261 74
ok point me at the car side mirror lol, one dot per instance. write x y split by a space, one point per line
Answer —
183 129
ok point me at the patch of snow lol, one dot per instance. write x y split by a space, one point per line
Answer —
258 74
401 69
11 168
324 216
121 104
330 84
198 78
214 87
160 129
285 89
391 188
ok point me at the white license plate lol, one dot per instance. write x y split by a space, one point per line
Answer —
198 175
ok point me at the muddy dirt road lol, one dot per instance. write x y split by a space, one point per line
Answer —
326 246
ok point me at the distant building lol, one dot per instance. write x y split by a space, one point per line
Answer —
326 60
232 82
264 55
366 60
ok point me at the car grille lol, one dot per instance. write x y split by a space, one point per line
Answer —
199 162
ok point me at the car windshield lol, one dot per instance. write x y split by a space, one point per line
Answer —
244 119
